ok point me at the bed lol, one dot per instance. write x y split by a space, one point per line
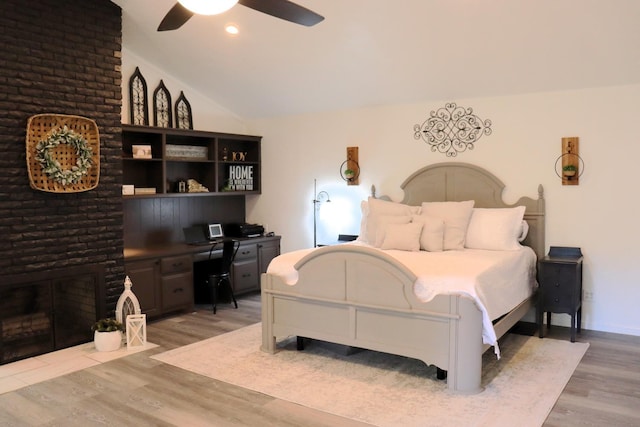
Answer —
361 296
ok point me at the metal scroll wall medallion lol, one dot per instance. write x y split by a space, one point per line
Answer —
452 129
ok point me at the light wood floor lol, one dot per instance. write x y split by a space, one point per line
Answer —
138 391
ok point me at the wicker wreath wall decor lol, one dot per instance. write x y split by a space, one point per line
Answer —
52 167
63 153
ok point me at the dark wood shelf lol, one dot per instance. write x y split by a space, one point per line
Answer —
231 160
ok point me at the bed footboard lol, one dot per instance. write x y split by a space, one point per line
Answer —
363 298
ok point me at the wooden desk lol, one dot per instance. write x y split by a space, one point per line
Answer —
165 277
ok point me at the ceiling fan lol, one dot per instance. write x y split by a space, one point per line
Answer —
283 9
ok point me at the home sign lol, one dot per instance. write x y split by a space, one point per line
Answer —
240 177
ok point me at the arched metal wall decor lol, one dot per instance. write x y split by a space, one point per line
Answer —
183 113
138 103
452 129
162 116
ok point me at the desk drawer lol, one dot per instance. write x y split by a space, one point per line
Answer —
245 276
177 291
176 264
247 252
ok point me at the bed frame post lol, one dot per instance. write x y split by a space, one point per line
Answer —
268 338
466 348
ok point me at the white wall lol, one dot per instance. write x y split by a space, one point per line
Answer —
207 115
599 215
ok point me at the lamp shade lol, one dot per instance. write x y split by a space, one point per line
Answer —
208 7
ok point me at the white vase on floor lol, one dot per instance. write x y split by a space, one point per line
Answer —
107 341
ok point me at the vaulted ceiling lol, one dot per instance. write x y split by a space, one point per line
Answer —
380 52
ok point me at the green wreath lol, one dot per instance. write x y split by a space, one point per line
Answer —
52 168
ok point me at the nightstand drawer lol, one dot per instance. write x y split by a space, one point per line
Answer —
557 273
557 299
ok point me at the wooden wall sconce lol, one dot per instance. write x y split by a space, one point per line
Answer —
569 166
350 168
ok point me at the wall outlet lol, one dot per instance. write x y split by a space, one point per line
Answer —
587 295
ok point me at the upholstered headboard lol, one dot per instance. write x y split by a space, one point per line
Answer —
453 181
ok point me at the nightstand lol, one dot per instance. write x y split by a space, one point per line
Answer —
560 291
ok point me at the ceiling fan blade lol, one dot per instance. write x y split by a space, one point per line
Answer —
284 9
175 18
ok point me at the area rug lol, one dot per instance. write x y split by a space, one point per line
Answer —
386 390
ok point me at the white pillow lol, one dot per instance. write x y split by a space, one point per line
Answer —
524 230
404 237
456 219
432 236
377 208
495 229
364 209
381 222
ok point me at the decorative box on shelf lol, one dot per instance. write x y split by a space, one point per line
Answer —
187 151
128 190
141 151
144 190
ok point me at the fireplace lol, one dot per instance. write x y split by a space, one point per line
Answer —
45 236
49 311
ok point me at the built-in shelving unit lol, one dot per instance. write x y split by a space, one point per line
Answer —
223 163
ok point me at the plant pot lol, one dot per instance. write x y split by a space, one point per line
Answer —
569 174
107 341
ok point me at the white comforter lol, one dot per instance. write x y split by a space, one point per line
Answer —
496 280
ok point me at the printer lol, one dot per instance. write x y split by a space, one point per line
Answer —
243 230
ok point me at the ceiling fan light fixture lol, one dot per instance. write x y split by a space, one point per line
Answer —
208 7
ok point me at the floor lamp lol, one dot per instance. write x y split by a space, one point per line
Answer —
319 198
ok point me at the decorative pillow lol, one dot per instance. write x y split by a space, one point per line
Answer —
404 237
364 209
495 229
456 219
377 208
381 222
432 236
524 230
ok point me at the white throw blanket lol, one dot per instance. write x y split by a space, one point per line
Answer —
496 280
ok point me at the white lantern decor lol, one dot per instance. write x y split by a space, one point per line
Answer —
136 330
127 303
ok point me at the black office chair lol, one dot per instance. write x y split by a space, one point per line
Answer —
221 279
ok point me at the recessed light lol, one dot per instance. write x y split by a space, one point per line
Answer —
232 29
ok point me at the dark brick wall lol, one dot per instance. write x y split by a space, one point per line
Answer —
64 57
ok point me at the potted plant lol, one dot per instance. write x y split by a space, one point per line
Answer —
107 335
569 170
349 174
